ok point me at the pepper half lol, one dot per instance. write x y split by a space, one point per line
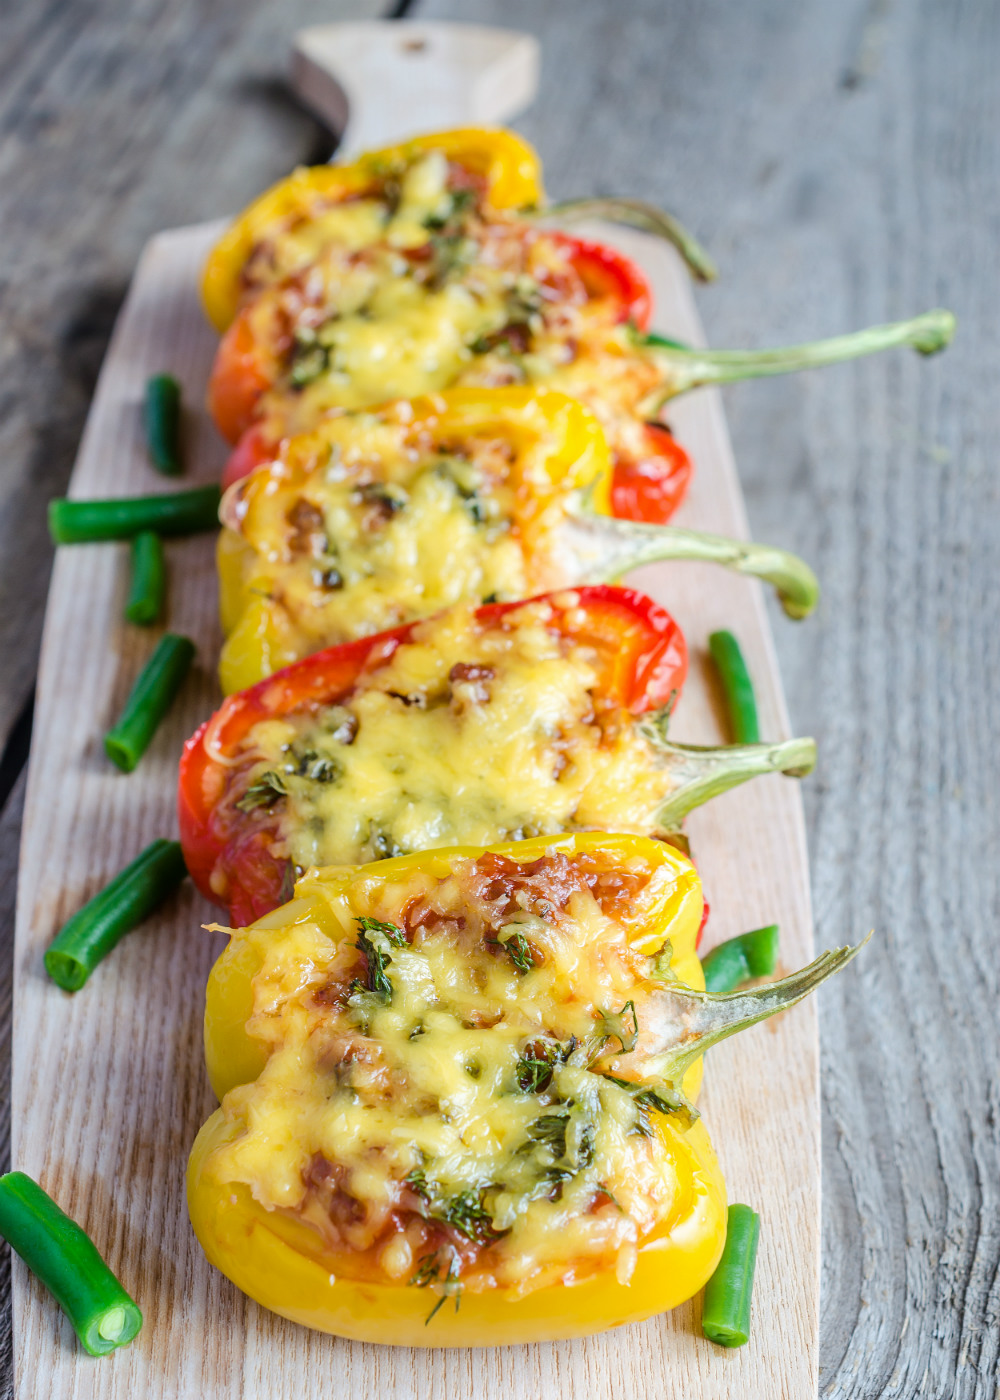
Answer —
474 726
467 1077
381 517
286 971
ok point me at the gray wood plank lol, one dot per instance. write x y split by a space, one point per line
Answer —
117 120
841 163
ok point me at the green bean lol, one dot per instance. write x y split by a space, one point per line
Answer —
737 686
149 579
725 1312
163 423
94 930
182 513
753 954
66 1260
152 695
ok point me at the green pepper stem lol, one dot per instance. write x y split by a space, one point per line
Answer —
698 773
684 369
679 1024
601 548
636 213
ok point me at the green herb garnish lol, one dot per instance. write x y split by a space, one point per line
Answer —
534 1069
265 792
433 1271
373 938
513 941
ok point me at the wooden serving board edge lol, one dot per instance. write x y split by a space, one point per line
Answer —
108 1085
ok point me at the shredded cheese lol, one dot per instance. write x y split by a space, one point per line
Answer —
421 286
472 732
374 520
437 1108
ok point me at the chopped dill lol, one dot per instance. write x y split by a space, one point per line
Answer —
534 1069
265 792
374 940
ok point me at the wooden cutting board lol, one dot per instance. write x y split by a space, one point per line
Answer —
109 1087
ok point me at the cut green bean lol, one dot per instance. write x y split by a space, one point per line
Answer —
65 1258
725 1312
152 695
739 959
182 513
130 897
737 687
163 423
149 579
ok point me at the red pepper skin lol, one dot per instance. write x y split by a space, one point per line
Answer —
609 275
705 911
646 659
650 488
244 368
254 447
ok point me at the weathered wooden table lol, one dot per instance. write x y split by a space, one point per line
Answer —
840 162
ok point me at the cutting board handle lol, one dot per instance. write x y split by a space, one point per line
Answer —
379 82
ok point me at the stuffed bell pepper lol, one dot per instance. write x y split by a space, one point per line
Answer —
457 1095
382 516
414 270
478 725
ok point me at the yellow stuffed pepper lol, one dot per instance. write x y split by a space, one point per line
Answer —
465 1078
378 518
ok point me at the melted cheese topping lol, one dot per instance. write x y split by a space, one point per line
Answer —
432 292
373 522
435 1103
471 733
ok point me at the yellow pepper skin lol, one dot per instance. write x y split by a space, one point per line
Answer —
280 1261
274 1259
234 1057
268 600
509 165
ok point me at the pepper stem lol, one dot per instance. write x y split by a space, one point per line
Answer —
602 548
636 213
700 773
685 369
680 1024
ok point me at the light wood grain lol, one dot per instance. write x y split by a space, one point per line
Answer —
367 81
108 1086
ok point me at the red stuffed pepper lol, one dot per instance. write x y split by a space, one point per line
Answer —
498 723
